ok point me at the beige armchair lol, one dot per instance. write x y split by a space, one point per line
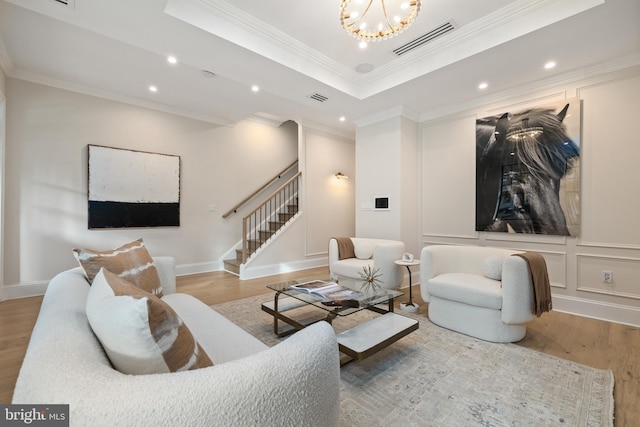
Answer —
377 253
483 292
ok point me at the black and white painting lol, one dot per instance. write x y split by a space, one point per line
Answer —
130 188
528 170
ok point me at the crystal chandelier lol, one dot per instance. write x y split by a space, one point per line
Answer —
372 20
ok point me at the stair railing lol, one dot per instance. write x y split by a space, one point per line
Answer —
256 228
255 193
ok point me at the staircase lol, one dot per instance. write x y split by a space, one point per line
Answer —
263 222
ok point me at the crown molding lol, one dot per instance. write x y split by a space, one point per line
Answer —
391 113
111 96
619 64
227 21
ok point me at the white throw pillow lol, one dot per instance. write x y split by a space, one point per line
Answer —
363 249
492 267
140 333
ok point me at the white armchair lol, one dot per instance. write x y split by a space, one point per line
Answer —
377 253
479 291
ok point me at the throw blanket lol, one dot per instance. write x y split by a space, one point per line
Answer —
345 248
541 289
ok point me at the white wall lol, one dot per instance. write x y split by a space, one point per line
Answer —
326 207
609 236
48 131
378 163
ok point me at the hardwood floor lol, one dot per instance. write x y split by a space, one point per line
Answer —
595 343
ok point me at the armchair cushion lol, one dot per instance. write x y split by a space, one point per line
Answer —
468 289
492 266
363 248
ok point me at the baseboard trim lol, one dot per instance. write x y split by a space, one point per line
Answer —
284 267
201 267
617 313
25 290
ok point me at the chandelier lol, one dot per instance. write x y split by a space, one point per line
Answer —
372 20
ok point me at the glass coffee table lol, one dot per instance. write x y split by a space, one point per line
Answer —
359 342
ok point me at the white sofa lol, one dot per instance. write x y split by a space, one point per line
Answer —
479 291
296 382
377 253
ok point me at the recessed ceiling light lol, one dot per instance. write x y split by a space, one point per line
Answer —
255 88
343 118
153 88
362 45
483 85
172 59
549 65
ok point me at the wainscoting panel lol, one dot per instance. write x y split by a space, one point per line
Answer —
625 275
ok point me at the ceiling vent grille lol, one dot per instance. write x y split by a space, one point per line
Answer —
318 97
70 3
425 38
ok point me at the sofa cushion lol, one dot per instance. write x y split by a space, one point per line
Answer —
467 288
140 333
351 267
130 261
364 248
492 266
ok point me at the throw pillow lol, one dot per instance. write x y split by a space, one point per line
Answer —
492 267
131 262
364 249
140 333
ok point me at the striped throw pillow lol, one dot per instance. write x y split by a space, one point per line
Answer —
140 333
132 262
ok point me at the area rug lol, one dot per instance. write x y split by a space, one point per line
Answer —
436 377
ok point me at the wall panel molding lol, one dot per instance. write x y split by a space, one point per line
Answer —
589 269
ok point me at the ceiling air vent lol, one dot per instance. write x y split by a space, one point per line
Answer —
318 97
66 2
425 38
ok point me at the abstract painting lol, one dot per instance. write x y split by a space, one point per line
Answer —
129 188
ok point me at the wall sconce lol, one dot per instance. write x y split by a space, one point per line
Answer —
340 175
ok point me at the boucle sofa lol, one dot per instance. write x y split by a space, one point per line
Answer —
483 292
296 382
376 253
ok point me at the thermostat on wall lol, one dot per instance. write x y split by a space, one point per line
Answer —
382 203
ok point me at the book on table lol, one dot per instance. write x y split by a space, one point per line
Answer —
326 291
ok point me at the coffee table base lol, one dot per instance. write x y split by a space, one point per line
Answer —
370 337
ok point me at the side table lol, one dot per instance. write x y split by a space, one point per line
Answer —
409 307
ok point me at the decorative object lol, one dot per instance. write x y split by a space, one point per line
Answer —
130 188
528 170
340 175
438 377
370 279
373 20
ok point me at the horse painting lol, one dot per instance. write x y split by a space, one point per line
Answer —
522 160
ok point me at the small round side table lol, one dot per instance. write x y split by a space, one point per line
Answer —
409 307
